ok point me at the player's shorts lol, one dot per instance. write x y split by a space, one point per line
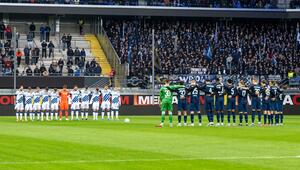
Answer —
279 106
209 103
105 105
231 103
64 106
46 106
256 103
95 106
28 107
182 104
85 105
266 105
19 106
75 106
242 106
273 105
54 106
115 106
166 106
220 103
36 106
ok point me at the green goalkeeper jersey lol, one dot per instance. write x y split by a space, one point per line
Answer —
166 94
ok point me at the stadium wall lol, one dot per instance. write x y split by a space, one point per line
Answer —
147 105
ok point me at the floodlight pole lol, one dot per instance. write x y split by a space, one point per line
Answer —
14 40
153 73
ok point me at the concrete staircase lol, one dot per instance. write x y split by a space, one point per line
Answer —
98 53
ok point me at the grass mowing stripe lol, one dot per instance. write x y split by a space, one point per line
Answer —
148 160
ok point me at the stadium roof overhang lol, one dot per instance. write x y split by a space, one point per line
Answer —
146 11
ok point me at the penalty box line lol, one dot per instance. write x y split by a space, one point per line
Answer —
145 160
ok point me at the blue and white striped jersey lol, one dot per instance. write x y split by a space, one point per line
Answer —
54 97
75 95
19 97
45 96
106 94
115 95
28 98
37 97
85 96
95 97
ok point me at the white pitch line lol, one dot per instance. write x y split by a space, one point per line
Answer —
147 160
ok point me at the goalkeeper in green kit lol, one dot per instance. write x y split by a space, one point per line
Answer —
166 98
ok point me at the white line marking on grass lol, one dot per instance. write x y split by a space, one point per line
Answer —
146 160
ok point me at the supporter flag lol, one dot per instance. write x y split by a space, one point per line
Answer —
208 53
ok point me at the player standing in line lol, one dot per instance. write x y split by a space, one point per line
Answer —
95 101
45 104
37 103
255 92
209 90
266 102
28 104
75 104
231 92
194 91
273 102
166 98
19 103
243 102
220 101
105 102
280 99
85 99
182 104
64 102
54 104
116 103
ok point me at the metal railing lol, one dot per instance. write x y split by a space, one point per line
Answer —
112 57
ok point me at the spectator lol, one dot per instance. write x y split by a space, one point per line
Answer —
47 31
69 40
77 55
44 49
52 71
2 30
28 71
7 46
26 54
77 72
35 55
43 69
93 63
19 55
60 65
81 24
83 54
69 63
98 70
70 71
8 33
37 71
81 65
70 53
32 30
87 68
51 49
42 33
29 41
64 41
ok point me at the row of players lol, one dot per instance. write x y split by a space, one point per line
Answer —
265 98
45 104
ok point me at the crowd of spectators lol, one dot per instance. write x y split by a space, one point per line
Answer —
176 3
217 47
32 56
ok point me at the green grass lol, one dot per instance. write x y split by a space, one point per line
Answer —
139 145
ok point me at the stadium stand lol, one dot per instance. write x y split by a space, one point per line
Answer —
174 3
42 54
217 47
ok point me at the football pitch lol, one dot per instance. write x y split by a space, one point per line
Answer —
140 145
